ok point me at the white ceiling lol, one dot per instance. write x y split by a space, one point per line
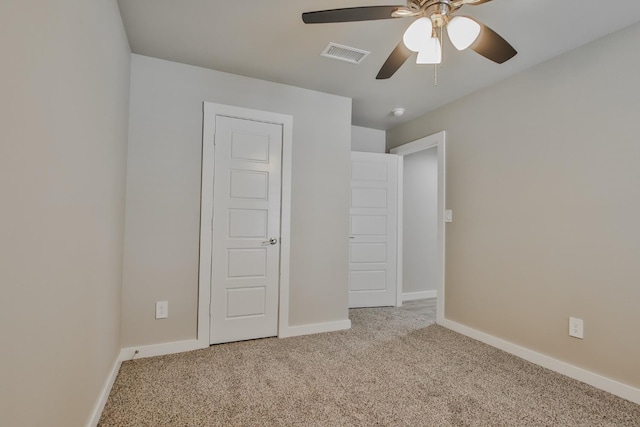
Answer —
267 39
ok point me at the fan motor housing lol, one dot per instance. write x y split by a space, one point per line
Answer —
438 11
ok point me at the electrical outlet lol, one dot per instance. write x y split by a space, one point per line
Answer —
162 309
576 327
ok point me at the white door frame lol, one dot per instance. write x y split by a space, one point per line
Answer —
432 141
212 110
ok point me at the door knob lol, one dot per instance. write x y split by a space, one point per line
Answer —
271 241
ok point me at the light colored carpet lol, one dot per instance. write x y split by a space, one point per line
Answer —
424 307
390 369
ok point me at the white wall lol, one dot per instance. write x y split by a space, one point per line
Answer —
163 195
63 132
367 139
542 176
420 226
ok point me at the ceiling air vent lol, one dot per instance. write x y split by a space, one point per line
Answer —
345 53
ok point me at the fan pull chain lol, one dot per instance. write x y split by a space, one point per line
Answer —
435 66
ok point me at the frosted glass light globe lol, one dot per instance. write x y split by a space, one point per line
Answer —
432 53
418 34
463 31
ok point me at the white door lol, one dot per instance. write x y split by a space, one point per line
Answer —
373 225
246 230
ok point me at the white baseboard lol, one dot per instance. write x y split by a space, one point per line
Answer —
412 296
104 395
316 328
160 349
190 345
603 383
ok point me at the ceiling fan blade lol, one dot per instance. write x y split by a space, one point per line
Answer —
460 3
350 14
398 57
492 46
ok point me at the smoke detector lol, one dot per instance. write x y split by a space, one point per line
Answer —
397 112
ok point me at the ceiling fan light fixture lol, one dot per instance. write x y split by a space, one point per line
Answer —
416 38
432 54
463 31
430 15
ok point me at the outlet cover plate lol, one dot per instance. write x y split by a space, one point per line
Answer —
576 327
162 309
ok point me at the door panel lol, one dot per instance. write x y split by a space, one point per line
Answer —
367 171
247 263
369 197
370 280
373 225
245 302
248 223
250 147
369 225
249 185
246 214
368 252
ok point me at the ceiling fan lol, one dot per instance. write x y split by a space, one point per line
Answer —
422 35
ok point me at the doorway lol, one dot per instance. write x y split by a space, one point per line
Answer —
425 261
420 198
